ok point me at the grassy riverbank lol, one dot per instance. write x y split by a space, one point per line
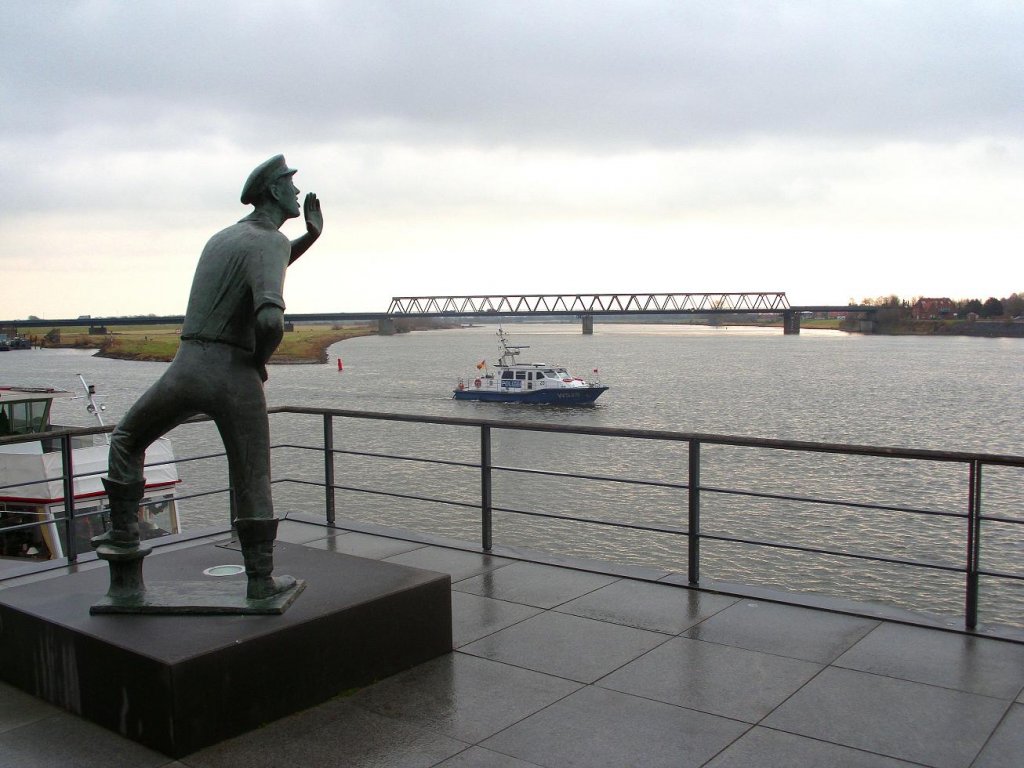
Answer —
304 344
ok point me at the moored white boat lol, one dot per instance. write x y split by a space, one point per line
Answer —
32 485
515 382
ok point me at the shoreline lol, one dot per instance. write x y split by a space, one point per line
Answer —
303 346
308 345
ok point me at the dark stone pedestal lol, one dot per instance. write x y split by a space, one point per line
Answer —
179 683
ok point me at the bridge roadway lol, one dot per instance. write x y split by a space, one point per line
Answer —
584 306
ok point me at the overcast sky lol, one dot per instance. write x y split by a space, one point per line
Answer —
828 149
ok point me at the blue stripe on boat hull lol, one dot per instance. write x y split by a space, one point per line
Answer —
573 396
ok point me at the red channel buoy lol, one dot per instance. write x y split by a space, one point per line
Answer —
340 366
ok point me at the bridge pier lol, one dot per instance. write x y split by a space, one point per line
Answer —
866 326
588 324
386 326
790 323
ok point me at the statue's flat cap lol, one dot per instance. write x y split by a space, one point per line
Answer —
263 175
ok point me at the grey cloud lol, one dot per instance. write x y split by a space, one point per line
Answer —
595 75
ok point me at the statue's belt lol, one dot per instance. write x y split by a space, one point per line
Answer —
203 340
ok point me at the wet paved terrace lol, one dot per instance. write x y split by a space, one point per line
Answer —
560 667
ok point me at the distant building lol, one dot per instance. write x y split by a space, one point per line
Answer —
933 309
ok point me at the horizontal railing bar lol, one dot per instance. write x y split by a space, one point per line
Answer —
833 553
652 529
650 434
372 455
1002 575
643 434
474 505
1001 519
595 521
646 483
58 432
598 478
471 465
831 502
90 512
735 540
390 494
81 475
733 492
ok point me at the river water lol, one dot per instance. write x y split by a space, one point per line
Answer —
956 394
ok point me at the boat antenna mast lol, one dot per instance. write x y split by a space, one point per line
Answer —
508 351
94 407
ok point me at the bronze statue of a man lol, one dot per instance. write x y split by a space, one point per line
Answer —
233 324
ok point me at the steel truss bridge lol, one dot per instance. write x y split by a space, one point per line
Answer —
585 306
588 305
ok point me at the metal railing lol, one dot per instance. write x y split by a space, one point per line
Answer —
64 439
970 514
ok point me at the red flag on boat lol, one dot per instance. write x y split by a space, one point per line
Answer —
481 364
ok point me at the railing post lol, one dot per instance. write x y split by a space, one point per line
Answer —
329 466
486 527
693 506
973 543
68 467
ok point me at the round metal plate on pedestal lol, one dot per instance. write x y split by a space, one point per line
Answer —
224 570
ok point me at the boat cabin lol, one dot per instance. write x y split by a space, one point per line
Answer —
32 504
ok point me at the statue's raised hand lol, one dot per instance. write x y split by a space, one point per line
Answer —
314 218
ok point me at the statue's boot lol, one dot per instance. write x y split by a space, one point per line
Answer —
256 535
124 514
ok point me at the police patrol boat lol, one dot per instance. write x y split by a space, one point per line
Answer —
514 382
32 523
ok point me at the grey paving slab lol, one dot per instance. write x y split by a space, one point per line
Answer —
474 617
543 586
802 633
718 679
32 578
299 533
1006 747
478 757
63 740
461 565
765 748
364 545
973 664
17 708
567 646
595 727
906 720
465 697
332 735
658 607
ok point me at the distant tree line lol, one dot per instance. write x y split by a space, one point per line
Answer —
1011 306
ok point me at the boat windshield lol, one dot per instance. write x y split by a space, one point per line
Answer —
549 373
24 417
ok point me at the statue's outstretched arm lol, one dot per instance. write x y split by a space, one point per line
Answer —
314 226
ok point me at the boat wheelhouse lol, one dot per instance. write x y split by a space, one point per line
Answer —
32 492
515 382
